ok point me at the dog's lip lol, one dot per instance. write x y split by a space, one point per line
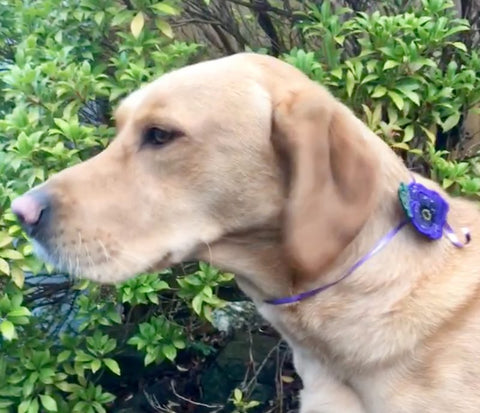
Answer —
44 252
164 262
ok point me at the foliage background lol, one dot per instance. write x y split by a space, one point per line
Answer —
409 69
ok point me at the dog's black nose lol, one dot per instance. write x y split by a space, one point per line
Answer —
32 210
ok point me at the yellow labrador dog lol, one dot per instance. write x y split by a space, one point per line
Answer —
245 162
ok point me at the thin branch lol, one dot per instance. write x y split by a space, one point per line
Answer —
194 21
264 362
256 8
209 406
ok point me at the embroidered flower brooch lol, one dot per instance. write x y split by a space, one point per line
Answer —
426 209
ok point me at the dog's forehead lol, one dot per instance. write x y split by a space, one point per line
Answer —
215 81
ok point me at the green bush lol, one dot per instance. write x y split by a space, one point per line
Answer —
64 66
408 76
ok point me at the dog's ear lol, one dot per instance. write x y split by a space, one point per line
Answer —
331 177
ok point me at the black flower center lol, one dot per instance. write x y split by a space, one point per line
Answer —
427 215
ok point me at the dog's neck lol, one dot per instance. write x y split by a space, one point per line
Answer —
258 258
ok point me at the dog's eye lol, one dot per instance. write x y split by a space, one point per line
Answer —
157 136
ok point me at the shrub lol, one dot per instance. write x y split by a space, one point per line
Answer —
408 76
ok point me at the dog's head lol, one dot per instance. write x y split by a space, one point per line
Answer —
218 148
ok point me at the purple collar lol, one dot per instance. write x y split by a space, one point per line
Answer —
425 209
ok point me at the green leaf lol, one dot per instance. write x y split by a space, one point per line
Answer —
152 297
401 145
408 133
390 64
64 355
98 17
18 276
83 357
136 25
82 407
207 312
4 267
459 45
82 285
169 351
165 28
95 365
34 406
46 375
98 407
28 386
377 114
446 183
27 250
4 404
62 124
19 312
24 406
135 341
251 404
197 304
112 365
166 9
379 92
120 18
456 29
397 99
11 254
207 291
7 329
337 73
369 78
5 239
430 135
193 280
161 285
368 113
451 122
180 344
416 151
350 83
67 387
149 359
48 402
414 97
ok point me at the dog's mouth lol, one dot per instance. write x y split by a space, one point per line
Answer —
96 260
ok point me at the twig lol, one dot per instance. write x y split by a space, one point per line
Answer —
264 362
209 406
251 360
253 7
194 21
155 404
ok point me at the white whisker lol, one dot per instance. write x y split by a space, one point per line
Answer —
210 257
106 254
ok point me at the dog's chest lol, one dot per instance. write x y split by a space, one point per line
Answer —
333 338
301 339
